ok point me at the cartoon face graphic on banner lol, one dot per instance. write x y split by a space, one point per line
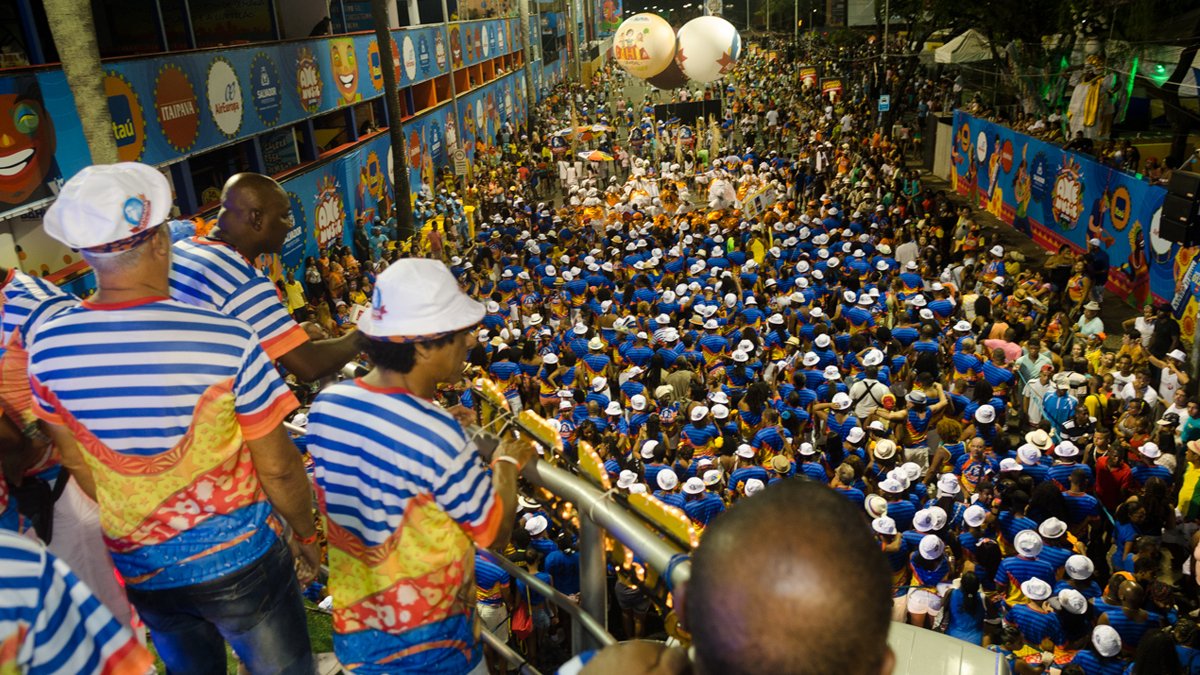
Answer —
264 89
456 46
451 131
330 212
409 55
27 166
176 107
225 96
424 58
344 63
308 80
129 123
1067 202
439 50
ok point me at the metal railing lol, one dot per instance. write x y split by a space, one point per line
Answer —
603 522
577 494
586 621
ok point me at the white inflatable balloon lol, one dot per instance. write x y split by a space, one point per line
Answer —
708 48
644 45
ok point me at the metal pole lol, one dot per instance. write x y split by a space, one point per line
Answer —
796 21
887 25
508 654
29 30
593 583
589 623
619 523
530 94
160 27
189 28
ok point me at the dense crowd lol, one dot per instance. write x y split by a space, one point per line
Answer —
772 297
1033 489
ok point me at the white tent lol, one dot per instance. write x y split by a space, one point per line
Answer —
966 48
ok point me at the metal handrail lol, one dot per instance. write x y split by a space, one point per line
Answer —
508 654
595 505
587 621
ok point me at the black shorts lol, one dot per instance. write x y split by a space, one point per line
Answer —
630 599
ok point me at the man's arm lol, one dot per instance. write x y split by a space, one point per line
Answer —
281 472
504 482
313 360
72 458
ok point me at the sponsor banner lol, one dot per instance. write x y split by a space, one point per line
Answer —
809 76
831 88
172 105
1059 197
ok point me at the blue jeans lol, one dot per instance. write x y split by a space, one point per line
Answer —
258 609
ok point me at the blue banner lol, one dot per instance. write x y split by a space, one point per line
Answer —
1059 197
173 105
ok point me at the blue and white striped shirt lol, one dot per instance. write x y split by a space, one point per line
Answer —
51 623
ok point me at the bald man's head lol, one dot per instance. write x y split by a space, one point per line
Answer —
255 214
813 593
1131 594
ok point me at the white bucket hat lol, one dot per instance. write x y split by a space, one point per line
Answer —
418 299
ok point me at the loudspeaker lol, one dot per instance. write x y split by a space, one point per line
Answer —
1184 184
1180 223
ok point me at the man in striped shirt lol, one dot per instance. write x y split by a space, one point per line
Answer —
170 416
51 623
50 503
27 450
217 272
404 491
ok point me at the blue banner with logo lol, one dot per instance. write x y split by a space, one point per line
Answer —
485 110
1059 197
169 106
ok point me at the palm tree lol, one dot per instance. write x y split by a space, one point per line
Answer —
391 95
74 33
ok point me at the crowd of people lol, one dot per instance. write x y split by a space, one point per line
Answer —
1031 484
821 362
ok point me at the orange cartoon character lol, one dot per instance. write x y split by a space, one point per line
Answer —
345 69
27 143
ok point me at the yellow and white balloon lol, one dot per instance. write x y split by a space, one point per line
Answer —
644 45
704 50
